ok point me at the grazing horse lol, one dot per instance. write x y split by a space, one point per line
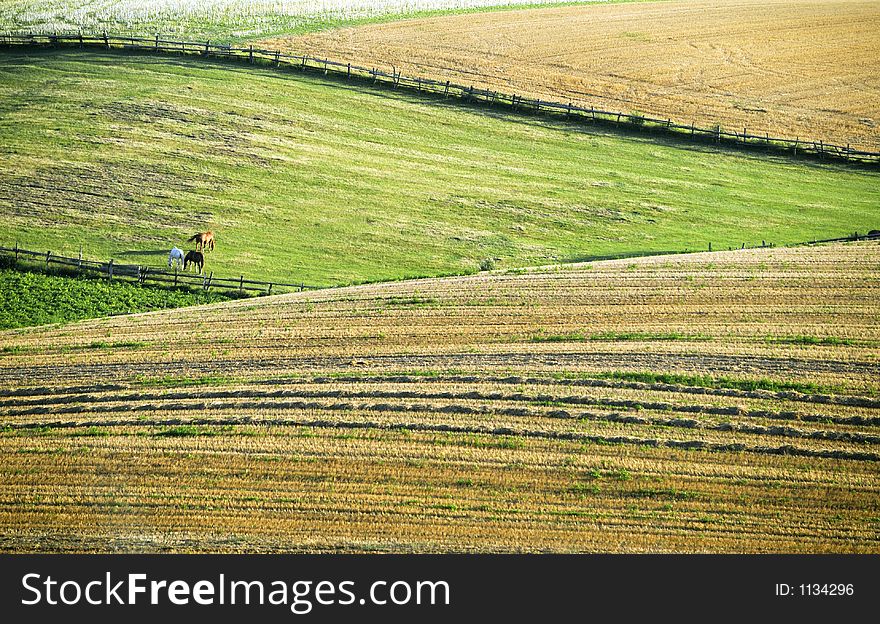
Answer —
196 259
176 256
203 240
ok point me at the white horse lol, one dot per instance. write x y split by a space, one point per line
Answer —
176 255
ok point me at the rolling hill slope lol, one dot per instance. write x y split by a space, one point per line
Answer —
722 402
329 183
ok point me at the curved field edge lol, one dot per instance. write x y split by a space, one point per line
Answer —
425 417
741 65
326 183
240 21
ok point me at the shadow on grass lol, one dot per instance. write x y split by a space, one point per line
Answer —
145 252
622 255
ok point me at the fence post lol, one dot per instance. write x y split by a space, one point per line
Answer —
251 53
446 90
710 246
207 47
110 270
80 39
106 40
241 285
302 287
325 67
277 58
210 277
48 253
349 72
157 41
16 252
270 288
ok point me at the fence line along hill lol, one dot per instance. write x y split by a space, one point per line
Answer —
146 274
789 68
488 95
723 402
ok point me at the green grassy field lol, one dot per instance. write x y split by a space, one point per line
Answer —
309 180
31 298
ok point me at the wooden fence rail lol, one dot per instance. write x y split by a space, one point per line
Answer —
275 58
144 273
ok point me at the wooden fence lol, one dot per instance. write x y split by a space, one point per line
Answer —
855 236
517 103
143 274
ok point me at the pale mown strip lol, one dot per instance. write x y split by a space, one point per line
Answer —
225 19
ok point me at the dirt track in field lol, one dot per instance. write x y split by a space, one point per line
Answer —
790 68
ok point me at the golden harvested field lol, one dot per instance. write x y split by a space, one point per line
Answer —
790 68
723 402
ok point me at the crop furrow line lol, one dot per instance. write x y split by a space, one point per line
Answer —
720 364
835 399
548 400
459 429
825 399
453 409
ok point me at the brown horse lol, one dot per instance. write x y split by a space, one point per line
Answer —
203 240
196 258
